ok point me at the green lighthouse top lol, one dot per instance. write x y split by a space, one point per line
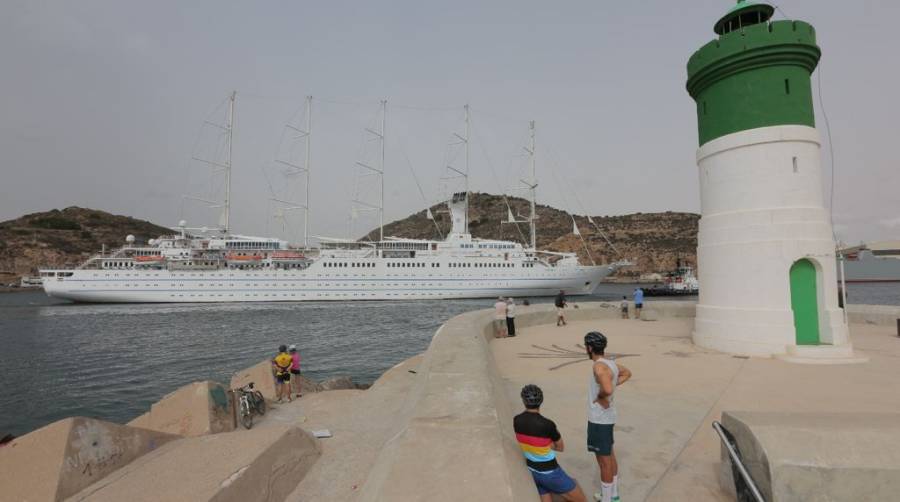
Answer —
755 73
744 14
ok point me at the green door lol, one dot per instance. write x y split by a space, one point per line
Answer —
803 302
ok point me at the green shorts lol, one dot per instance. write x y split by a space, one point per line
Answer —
600 438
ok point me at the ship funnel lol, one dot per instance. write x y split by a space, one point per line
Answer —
458 204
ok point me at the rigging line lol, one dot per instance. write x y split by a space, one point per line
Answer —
255 95
427 108
421 192
778 8
587 215
830 151
203 125
494 175
556 181
500 115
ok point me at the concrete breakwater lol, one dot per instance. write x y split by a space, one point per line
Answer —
190 430
435 427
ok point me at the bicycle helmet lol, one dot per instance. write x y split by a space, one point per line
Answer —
532 396
595 341
282 348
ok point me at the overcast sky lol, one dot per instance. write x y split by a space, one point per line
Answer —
103 103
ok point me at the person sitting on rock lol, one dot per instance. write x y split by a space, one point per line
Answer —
281 365
539 440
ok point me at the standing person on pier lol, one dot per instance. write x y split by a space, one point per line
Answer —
500 318
539 440
560 303
510 317
624 307
638 302
606 376
281 366
295 370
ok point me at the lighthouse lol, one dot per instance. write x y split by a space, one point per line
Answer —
766 251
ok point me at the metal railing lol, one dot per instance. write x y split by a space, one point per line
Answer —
738 465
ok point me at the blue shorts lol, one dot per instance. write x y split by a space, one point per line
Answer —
555 481
600 438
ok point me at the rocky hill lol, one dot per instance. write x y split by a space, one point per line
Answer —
67 237
654 242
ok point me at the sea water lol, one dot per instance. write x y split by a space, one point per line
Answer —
113 361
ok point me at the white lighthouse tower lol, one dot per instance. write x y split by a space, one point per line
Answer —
766 252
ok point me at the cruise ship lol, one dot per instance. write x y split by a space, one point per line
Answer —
219 266
185 268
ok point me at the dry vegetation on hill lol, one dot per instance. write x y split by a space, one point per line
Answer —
653 241
64 238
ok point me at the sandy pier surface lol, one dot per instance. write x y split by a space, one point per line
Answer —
361 422
666 446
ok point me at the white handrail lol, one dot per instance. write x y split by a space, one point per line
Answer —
736 461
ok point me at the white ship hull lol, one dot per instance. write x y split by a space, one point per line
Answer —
317 284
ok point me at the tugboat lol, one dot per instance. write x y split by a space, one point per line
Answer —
681 282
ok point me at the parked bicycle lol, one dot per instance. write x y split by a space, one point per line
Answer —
250 402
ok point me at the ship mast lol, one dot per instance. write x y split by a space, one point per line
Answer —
532 185
466 141
294 170
358 202
381 177
308 144
226 210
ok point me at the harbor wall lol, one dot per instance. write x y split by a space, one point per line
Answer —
879 315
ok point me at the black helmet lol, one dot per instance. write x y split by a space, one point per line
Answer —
282 348
595 341
532 396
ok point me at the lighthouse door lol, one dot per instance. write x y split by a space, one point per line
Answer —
803 302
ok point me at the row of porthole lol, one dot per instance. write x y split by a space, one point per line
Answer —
265 295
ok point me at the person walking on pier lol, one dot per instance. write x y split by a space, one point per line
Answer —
510 317
539 440
295 370
638 302
606 377
281 365
500 318
624 307
560 303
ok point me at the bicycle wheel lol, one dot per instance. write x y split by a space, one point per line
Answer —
246 415
260 402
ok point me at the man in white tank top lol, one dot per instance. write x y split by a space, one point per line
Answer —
606 376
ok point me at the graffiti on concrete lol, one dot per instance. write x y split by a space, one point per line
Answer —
557 352
218 397
93 449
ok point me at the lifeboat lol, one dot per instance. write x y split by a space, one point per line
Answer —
287 255
243 258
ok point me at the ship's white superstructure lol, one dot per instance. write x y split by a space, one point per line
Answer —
223 267
182 268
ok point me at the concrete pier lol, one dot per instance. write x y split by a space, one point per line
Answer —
438 427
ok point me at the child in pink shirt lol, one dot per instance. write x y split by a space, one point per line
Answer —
295 368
